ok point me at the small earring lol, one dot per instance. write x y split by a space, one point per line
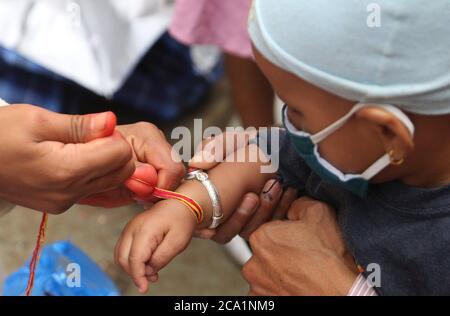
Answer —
395 161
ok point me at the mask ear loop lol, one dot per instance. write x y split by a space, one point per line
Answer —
387 159
376 167
320 136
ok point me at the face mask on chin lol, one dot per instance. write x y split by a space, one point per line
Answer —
306 146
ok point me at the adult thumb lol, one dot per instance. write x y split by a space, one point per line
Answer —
73 129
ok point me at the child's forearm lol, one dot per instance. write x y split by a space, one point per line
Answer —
232 180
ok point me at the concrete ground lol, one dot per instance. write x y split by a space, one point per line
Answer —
203 269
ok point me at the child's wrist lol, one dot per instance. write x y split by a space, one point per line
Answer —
197 192
181 211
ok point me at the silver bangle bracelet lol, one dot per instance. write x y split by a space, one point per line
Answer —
203 178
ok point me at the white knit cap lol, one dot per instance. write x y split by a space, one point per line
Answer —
404 60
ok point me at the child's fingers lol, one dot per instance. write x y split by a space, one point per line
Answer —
149 270
173 244
151 275
141 250
214 150
153 278
122 251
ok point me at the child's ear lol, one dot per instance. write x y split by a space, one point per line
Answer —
392 132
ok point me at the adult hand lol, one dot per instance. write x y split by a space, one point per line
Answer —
149 147
271 204
303 256
50 161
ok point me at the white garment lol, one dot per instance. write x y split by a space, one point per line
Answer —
5 207
95 43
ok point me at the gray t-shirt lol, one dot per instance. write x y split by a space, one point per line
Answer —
403 229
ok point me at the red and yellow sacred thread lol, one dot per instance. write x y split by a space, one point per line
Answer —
37 250
166 194
190 203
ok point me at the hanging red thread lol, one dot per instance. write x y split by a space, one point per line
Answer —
37 249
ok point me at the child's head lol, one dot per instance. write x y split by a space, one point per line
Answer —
322 59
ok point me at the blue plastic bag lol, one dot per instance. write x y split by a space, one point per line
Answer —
53 278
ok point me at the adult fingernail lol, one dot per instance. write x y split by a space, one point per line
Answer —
272 190
248 206
99 122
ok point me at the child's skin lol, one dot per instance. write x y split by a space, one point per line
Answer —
156 236
147 244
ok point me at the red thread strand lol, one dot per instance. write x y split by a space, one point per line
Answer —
37 249
166 194
192 204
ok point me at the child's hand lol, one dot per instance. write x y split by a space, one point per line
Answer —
152 239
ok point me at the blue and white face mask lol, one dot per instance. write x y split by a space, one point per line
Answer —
307 147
